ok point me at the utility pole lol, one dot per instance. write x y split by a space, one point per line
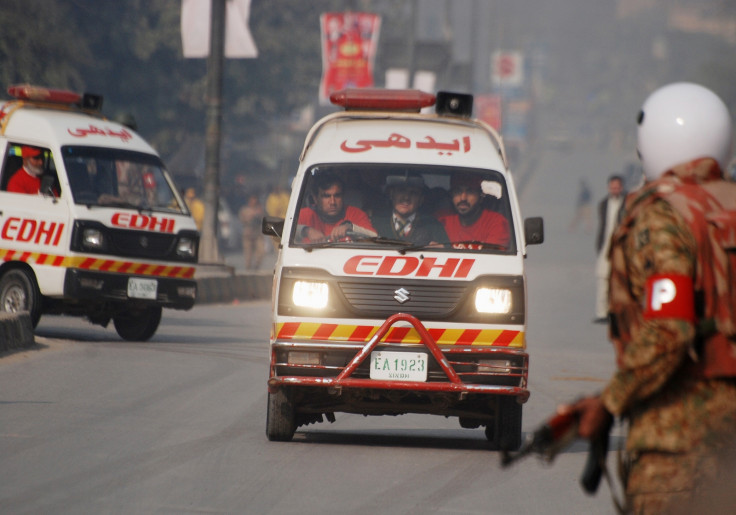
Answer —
411 44
209 251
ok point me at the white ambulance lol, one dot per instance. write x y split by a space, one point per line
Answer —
399 286
91 223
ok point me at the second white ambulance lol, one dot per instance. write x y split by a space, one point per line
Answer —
90 221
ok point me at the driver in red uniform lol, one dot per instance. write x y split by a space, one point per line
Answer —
472 223
331 219
27 179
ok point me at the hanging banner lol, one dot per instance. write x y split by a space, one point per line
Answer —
195 29
488 109
349 42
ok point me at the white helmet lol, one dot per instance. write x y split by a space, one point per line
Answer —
679 123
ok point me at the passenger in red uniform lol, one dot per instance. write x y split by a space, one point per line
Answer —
27 179
471 223
331 219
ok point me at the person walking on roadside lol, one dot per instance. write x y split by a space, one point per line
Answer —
251 215
609 214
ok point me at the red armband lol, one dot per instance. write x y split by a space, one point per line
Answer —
670 296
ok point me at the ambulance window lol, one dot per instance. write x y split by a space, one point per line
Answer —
112 177
25 166
387 205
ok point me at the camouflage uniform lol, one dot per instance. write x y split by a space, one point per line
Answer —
678 419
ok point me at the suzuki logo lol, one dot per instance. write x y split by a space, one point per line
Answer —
402 295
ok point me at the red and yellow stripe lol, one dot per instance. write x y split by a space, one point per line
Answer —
97 264
363 333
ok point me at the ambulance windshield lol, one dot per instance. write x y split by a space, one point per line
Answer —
120 178
406 207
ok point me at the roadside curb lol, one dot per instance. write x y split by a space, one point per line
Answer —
224 285
16 331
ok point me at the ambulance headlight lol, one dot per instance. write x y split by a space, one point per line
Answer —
93 238
186 247
493 300
310 294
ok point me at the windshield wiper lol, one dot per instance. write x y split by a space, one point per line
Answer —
380 240
426 246
482 245
430 246
106 200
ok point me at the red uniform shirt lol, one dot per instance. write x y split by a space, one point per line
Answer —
491 227
24 182
310 218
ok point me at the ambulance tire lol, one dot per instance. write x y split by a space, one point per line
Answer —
19 292
280 419
138 325
505 433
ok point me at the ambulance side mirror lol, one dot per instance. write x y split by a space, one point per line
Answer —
47 186
534 230
272 226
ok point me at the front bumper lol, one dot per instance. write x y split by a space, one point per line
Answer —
86 286
453 370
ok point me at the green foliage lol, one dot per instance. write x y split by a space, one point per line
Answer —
37 45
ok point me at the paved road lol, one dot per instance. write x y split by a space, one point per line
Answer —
92 424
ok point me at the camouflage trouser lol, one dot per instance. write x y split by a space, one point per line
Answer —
669 483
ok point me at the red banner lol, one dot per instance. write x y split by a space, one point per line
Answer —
349 42
488 109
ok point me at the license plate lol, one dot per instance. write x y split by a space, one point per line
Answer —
399 366
142 288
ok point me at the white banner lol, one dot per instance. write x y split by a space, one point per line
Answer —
507 68
195 29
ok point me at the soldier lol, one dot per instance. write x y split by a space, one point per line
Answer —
676 371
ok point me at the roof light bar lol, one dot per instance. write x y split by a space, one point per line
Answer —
39 94
383 99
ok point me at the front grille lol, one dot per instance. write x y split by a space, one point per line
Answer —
142 244
424 301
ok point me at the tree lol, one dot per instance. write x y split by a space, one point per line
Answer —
39 43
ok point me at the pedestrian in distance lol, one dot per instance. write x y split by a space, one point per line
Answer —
609 214
251 215
671 302
195 205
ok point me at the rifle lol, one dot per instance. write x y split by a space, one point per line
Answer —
555 435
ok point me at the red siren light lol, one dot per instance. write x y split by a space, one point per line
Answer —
382 99
39 94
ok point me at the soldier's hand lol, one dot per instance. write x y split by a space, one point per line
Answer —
593 415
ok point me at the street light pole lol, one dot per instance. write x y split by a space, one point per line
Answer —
209 251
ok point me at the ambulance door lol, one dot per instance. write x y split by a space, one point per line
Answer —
34 227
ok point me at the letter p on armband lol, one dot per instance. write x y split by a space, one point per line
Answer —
670 296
